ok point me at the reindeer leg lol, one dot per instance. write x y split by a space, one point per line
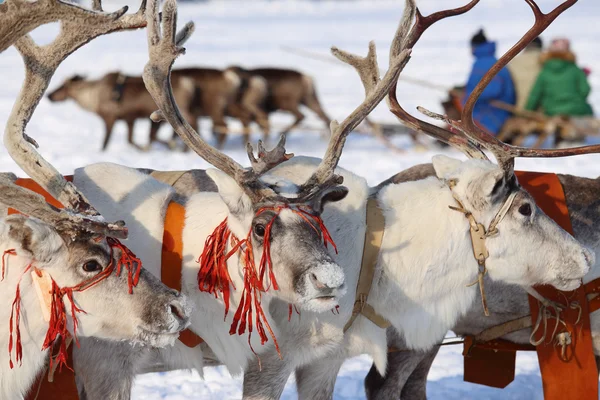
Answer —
317 380
416 385
108 124
217 115
268 383
130 126
262 119
402 367
299 118
312 102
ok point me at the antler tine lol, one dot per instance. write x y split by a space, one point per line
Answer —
78 26
268 160
375 91
453 138
34 205
163 49
505 154
20 17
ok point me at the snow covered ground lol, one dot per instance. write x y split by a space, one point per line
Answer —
251 33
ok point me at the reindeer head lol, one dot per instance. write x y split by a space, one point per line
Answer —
529 248
150 313
64 92
304 270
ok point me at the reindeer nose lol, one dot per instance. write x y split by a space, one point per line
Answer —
327 277
316 282
590 258
177 310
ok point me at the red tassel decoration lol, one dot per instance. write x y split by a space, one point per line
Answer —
131 262
10 252
213 276
16 309
58 324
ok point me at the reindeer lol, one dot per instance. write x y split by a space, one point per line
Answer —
421 282
407 371
117 97
216 89
65 271
266 90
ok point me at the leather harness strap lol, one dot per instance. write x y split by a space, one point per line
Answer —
168 177
478 236
373 239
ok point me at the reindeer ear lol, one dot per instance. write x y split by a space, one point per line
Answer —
445 165
34 237
232 194
492 183
328 195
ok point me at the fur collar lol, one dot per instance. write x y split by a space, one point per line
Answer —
557 55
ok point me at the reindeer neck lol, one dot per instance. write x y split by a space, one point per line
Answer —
17 381
426 262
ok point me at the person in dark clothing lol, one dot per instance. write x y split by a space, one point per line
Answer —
501 88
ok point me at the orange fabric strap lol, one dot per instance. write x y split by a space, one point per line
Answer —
575 376
34 187
172 260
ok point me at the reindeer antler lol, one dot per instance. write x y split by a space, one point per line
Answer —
34 205
19 17
163 50
78 26
375 91
465 135
420 26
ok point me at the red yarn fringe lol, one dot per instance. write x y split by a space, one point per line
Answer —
213 276
16 309
10 252
131 262
57 326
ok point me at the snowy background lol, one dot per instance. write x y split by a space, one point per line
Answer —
252 33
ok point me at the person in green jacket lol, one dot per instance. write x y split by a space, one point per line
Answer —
561 88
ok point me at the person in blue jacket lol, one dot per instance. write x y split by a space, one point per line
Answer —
501 88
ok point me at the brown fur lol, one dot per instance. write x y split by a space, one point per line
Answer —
98 96
215 90
286 90
561 55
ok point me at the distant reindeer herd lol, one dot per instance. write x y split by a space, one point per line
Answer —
249 95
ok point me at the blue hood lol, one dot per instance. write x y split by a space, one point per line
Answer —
486 49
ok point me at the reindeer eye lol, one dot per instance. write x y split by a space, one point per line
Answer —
525 210
259 230
92 266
